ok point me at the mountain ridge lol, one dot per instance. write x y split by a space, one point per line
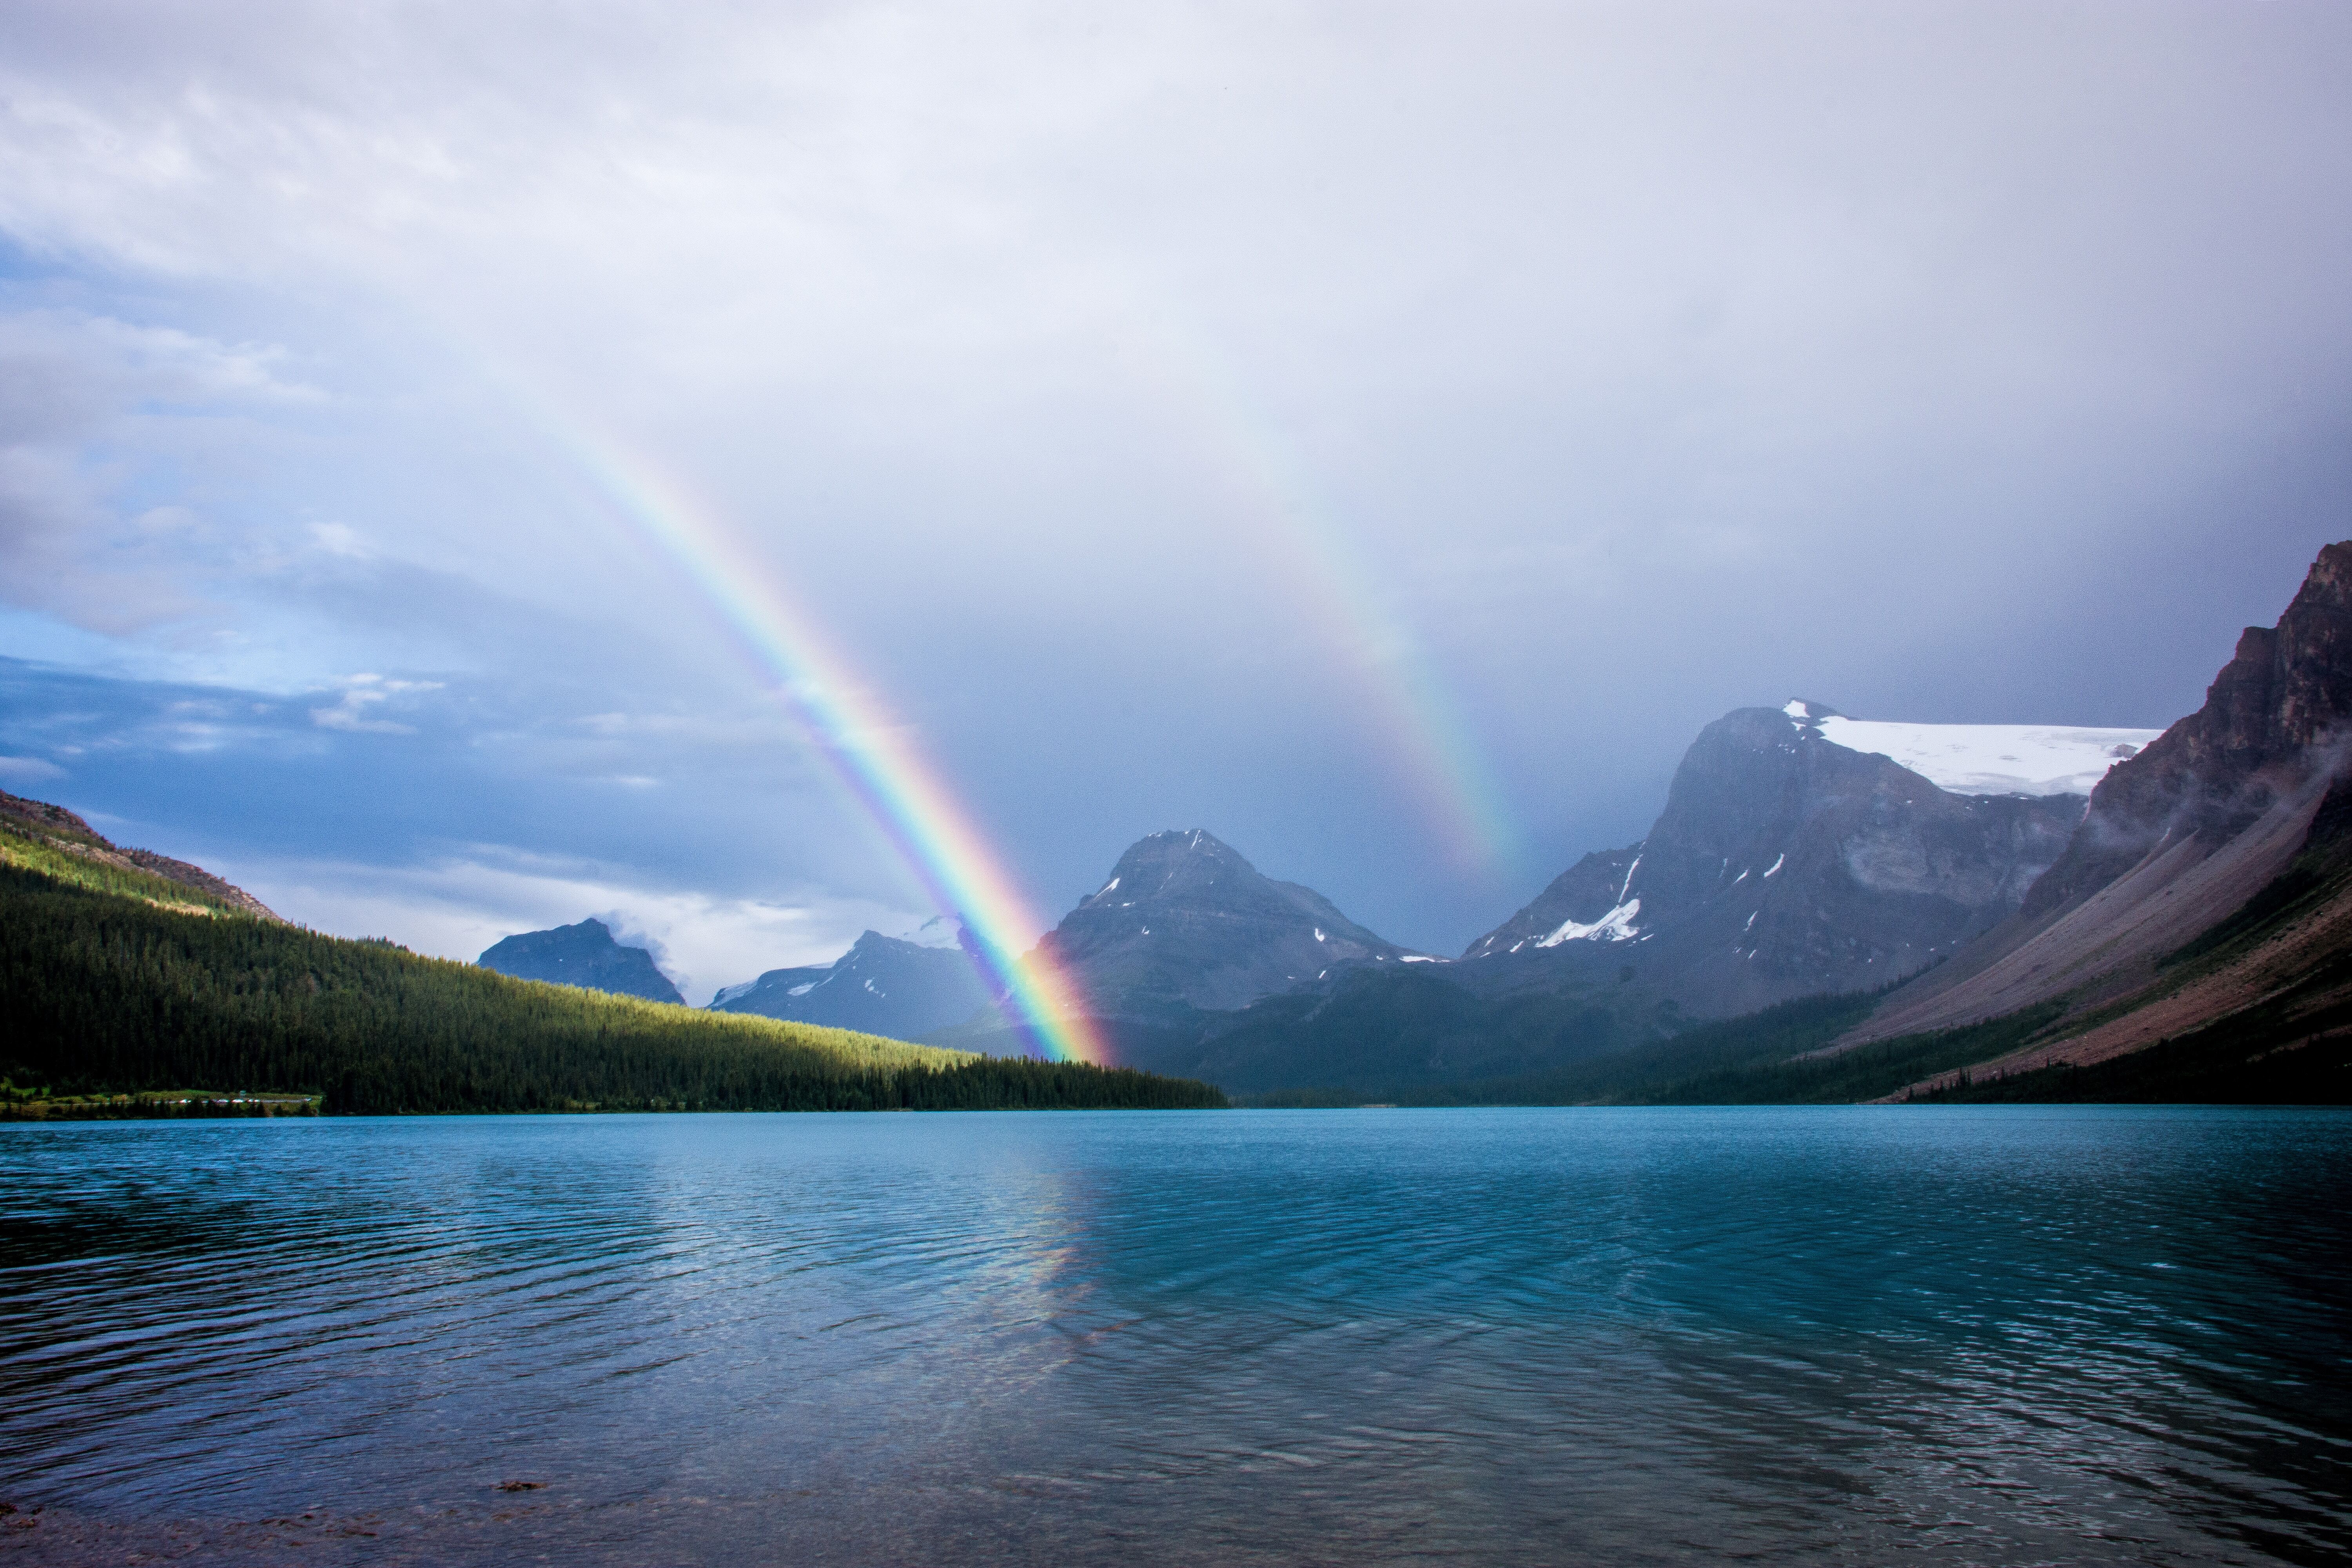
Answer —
119 990
883 986
63 830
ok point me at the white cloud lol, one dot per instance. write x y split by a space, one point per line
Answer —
29 770
342 539
363 695
459 906
91 408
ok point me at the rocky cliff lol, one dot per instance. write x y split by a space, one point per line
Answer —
2176 840
2271 719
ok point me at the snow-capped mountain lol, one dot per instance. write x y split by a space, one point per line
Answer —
903 987
1801 851
585 956
1184 921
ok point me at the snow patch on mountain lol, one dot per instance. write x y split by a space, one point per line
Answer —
1984 759
1617 925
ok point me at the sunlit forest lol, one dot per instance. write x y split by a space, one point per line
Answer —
113 983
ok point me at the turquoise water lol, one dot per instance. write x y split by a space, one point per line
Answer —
1998 1334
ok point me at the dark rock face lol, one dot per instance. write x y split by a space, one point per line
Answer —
1782 865
2276 706
882 985
585 955
1185 922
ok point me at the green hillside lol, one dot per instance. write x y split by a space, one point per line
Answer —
116 983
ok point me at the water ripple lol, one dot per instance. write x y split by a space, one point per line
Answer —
1959 1335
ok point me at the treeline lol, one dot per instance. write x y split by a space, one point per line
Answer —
2272 1054
103 992
1399 1034
14 1107
1762 1059
2284 1050
1732 1061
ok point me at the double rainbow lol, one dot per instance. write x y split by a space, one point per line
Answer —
899 788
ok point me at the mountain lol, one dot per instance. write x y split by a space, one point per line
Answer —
1184 923
585 955
882 985
1802 852
61 830
2205 903
2182 933
124 993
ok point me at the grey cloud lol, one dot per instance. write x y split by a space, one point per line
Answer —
1949 362
88 407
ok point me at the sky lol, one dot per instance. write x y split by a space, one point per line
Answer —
464 468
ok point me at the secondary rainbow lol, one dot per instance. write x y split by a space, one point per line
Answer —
870 749
1413 709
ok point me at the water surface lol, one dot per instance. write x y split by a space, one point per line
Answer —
1962 1335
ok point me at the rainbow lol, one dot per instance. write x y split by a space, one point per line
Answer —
870 749
1413 708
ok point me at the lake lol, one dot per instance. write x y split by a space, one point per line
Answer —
1944 1334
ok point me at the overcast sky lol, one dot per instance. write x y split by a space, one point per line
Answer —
1381 435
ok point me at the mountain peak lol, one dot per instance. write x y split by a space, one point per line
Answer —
1174 862
69 832
584 954
2176 839
1185 921
1194 838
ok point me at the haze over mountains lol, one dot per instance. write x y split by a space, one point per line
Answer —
2057 877
904 987
1786 863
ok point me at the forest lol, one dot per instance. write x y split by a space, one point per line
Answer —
122 994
